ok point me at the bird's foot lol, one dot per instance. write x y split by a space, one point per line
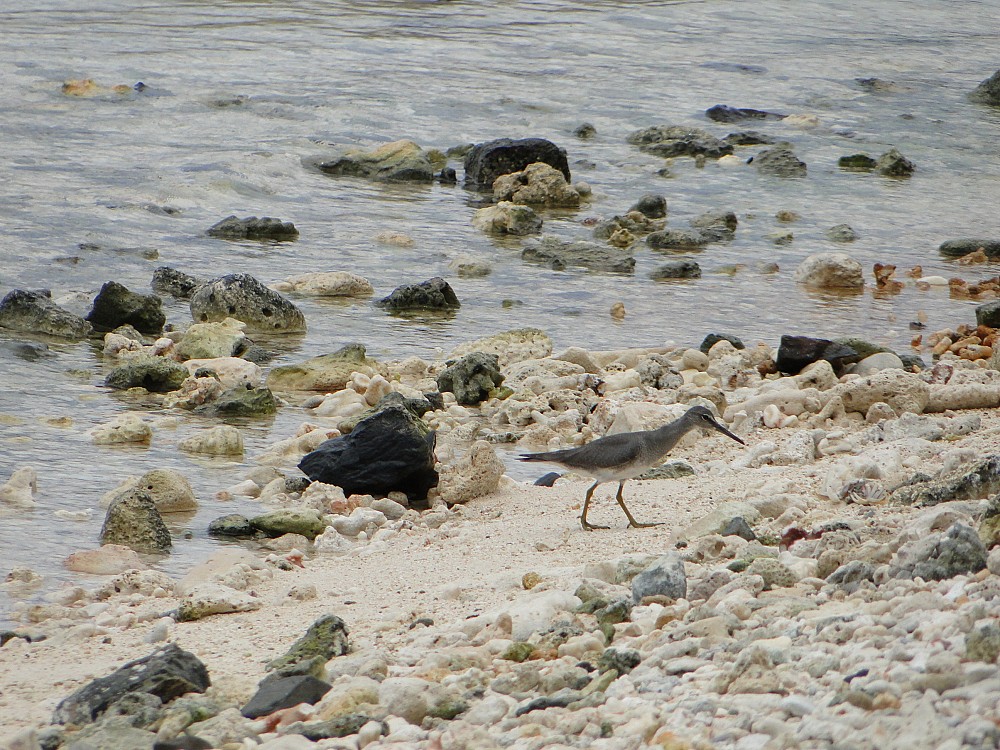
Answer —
587 526
637 525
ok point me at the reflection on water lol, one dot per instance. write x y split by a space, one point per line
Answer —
240 95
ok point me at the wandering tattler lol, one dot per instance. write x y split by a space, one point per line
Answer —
627 455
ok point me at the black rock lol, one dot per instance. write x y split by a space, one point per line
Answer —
677 239
116 306
433 294
988 314
155 374
795 352
987 92
559 255
713 338
857 163
958 248
242 401
893 164
487 161
676 269
232 525
448 176
183 742
675 140
779 161
35 312
748 138
559 699
651 205
388 451
176 283
167 673
723 113
252 228
241 296
274 695
471 378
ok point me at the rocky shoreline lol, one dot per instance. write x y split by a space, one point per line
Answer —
833 584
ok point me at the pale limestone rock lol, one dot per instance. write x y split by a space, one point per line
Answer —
510 346
207 599
901 390
231 371
830 271
170 490
109 559
476 475
211 340
963 396
328 284
221 440
19 491
539 184
126 428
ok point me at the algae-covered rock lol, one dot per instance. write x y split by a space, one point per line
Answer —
326 637
328 372
275 523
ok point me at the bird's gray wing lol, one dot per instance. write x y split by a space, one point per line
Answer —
603 453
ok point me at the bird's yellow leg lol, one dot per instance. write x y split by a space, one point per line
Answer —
586 504
632 521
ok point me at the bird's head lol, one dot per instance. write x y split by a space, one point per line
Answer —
700 416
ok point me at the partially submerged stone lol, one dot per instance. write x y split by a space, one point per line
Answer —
434 294
133 521
399 161
252 228
677 140
275 523
537 184
328 372
830 271
241 296
487 161
115 305
507 218
560 254
35 312
155 374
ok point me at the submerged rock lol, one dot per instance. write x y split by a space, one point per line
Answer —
212 340
433 294
651 205
487 161
389 451
987 92
857 163
830 271
779 161
893 164
960 247
35 312
241 296
560 254
724 113
399 161
507 218
678 269
252 228
677 140
116 306
168 673
678 239
327 372
155 374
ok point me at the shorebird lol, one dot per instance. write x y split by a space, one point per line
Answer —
627 455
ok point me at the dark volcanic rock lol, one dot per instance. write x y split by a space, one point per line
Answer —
675 140
233 525
252 228
748 138
559 255
134 521
242 401
176 283
35 312
967 482
487 161
723 113
116 306
677 239
795 352
471 378
988 314
167 673
713 338
958 248
780 161
241 296
390 450
155 374
433 294
676 269
274 695
893 164
651 205
857 163
987 92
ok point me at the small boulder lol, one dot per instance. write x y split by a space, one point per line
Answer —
830 271
988 314
796 352
507 218
471 378
326 638
476 475
487 161
232 525
125 428
242 401
328 284
958 248
116 306
285 692
327 373
511 346
35 312
133 521
841 233
433 294
155 374
212 340
677 239
207 599
107 560
940 556
724 113
169 489
399 161
857 163
221 440
779 161
275 523
252 228
651 205
677 269
664 577
560 254
676 140
167 673
176 283
537 184
388 451
893 164
241 296
987 92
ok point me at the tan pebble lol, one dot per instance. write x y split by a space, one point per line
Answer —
976 351
530 580
395 238
884 701
618 310
942 346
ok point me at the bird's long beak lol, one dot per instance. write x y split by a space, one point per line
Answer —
727 433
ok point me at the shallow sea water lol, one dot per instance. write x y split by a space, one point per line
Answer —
238 95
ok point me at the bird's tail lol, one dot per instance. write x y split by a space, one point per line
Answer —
534 457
